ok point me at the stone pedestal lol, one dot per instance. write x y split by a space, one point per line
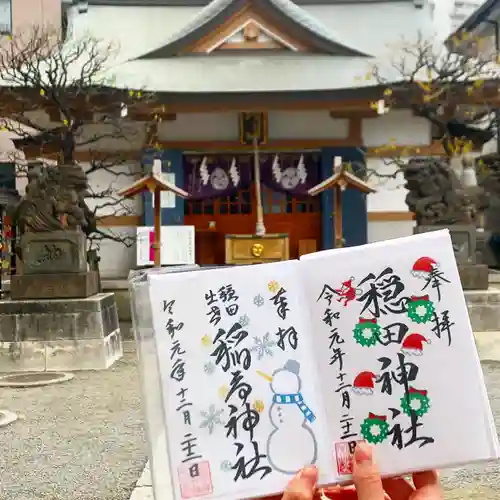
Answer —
484 313
54 267
58 286
59 335
54 252
473 273
473 276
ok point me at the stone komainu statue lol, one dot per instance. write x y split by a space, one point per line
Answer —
55 200
435 193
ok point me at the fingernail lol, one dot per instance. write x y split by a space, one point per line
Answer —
363 453
309 474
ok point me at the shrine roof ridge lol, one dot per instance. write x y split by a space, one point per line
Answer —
217 11
203 3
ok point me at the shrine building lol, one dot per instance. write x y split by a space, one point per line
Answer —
298 70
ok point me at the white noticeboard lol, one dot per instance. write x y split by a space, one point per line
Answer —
177 245
167 198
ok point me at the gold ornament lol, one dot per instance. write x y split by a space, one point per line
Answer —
257 249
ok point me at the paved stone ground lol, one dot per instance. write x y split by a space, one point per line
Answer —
80 440
480 481
84 440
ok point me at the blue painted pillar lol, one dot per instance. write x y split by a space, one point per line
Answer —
171 162
354 210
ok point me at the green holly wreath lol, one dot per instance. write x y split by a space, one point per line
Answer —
367 333
420 309
374 428
416 401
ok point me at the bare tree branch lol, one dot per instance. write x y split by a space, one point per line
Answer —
71 82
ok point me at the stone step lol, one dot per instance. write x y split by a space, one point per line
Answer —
488 345
484 309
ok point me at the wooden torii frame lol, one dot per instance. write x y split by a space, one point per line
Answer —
339 182
155 184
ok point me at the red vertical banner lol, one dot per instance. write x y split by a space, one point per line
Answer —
151 246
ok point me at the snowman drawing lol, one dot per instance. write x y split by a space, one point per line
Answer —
291 418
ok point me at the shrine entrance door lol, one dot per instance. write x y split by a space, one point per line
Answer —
299 216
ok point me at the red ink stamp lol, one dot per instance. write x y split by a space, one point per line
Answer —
195 480
343 456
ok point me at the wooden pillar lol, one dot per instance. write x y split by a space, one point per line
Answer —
338 217
157 220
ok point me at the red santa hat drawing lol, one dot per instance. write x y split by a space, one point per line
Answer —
364 383
413 345
423 267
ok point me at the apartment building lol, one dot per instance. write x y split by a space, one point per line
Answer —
17 15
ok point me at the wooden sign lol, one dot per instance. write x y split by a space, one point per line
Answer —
177 245
251 124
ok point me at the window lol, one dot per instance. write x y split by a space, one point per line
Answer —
286 203
5 16
237 203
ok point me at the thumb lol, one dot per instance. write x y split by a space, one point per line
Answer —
365 474
303 485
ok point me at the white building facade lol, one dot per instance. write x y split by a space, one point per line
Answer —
312 62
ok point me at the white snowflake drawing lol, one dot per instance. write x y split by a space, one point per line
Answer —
209 368
226 466
258 300
263 346
211 418
244 320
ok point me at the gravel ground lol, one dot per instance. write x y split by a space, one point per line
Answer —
84 440
80 440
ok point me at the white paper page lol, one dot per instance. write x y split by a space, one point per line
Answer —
223 382
361 301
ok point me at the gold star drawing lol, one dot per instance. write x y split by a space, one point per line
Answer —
258 406
206 341
223 390
273 286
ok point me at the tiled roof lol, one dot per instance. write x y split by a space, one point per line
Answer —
331 42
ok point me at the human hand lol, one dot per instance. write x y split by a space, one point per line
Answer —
368 484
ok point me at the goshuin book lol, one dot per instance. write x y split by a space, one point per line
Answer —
266 369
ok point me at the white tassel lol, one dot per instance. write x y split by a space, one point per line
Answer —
276 169
234 173
205 177
301 170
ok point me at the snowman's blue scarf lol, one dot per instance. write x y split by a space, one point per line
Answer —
288 399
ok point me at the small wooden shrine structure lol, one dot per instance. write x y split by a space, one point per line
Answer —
341 179
155 184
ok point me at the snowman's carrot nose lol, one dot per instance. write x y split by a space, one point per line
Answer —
265 375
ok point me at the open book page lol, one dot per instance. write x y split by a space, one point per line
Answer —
241 397
396 355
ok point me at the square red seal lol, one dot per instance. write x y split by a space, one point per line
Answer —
344 451
195 480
